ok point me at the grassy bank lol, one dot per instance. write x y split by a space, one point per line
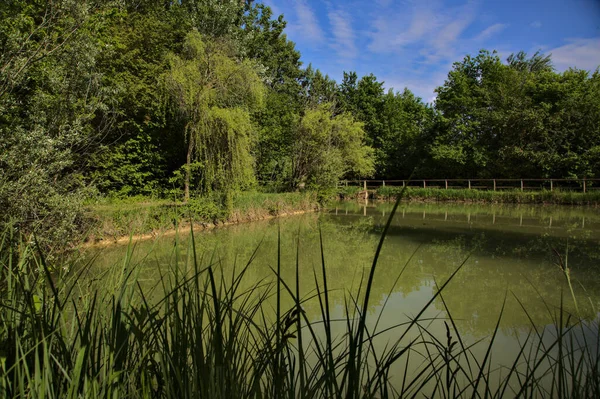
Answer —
114 219
487 196
70 332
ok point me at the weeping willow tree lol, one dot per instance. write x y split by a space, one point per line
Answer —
214 93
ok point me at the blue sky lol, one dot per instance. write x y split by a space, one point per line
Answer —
413 44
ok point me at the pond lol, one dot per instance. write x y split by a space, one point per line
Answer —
513 258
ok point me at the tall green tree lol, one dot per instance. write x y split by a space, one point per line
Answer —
406 122
265 42
136 154
214 94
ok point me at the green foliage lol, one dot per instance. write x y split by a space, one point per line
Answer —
402 144
328 148
488 196
136 153
520 119
214 93
94 95
397 124
49 94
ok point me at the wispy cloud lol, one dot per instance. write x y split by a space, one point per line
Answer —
306 24
583 53
389 35
428 37
432 27
453 27
491 31
343 33
536 24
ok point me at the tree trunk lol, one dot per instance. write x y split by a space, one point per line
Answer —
188 166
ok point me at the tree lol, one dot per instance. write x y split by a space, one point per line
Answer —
317 88
348 92
330 147
461 147
136 154
264 42
519 119
364 97
49 94
536 63
406 122
214 93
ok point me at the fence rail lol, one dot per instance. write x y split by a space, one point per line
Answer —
484 184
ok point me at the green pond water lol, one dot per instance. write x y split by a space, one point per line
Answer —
508 252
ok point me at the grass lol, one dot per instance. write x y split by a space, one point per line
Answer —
113 219
489 196
203 333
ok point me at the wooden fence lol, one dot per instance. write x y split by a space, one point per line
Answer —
583 185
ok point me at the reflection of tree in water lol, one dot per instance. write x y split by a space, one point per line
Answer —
501 261
520 265
498 267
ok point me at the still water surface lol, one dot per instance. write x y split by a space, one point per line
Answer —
510 252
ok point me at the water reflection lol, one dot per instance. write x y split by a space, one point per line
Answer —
510 251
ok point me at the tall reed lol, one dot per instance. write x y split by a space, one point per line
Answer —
70 331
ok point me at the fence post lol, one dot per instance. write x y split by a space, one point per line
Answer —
521 184
365 185
403 183
383 181
469 184
446 181
584 188
551 185
424 185
494 184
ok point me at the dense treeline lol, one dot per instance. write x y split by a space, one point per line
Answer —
208 97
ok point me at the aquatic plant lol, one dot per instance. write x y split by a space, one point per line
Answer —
68 330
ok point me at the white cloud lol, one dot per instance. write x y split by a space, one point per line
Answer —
389 35
491 31
452 29
434 28
343 34
306 24
428 37
536 24
580 53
